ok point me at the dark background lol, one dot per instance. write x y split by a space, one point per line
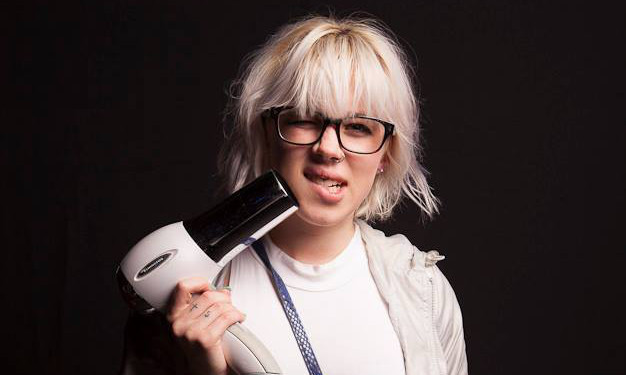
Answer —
114 122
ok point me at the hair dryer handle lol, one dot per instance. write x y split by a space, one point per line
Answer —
245 353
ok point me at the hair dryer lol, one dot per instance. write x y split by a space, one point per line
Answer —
202 246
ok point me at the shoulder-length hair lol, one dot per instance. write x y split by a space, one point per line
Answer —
332 66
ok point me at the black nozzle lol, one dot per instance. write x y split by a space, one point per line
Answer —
240 215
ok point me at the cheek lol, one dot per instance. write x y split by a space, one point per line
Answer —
287 158
369 165
365 172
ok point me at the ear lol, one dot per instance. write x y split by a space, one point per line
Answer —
384 162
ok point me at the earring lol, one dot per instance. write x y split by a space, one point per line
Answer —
380 170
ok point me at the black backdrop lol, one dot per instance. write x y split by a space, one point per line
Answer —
113 126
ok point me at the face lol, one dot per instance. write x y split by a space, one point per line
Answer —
329 192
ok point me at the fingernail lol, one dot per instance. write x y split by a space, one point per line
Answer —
226 289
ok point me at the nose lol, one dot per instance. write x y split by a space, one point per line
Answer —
328 147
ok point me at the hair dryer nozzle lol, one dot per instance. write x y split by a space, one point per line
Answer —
243 217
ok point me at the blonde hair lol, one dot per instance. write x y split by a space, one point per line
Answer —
332 66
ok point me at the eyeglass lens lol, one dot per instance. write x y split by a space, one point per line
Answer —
356 134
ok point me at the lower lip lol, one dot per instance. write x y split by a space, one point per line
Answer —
324 194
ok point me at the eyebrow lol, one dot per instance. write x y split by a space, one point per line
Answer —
352 115
356 114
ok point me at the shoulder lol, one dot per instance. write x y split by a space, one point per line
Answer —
397 253
397 241
395 250
403 272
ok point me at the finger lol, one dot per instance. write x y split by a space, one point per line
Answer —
214 313
182 294
209 315
225 289
189 322
221 318
207 299
192 328
210 326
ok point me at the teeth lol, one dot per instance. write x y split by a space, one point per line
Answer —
326 182
332 185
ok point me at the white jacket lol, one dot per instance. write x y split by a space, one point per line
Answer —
422 306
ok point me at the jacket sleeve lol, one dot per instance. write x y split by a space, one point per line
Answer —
149 344
449 325
150 348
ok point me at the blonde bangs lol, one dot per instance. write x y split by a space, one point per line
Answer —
336 73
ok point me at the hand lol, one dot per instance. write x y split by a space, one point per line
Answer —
199 317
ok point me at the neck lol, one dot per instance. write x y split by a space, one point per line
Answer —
309 243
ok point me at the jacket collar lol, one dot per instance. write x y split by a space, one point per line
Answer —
394 252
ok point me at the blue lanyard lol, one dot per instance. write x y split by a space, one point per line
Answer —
292 315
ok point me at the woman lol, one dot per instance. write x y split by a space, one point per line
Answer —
330 105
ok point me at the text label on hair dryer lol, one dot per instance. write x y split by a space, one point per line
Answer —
154 264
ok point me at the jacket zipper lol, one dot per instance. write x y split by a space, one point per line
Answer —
432 322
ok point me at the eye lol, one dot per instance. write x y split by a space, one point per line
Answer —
296 120
300 121
302 124
357 128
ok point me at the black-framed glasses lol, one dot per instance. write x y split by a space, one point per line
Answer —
358 134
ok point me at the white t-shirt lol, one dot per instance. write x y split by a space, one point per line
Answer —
339 305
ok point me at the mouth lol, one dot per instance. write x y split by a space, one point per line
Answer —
333 184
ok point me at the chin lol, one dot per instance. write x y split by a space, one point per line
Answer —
322 216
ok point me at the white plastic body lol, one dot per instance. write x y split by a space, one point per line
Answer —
186 260
183 258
